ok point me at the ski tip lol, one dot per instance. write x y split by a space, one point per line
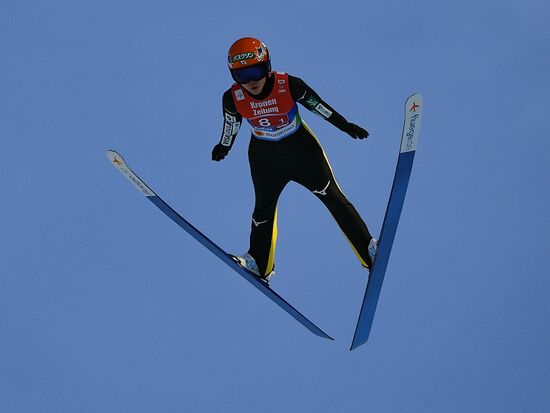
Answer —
114 156
118 162
415 95
411 128
116 159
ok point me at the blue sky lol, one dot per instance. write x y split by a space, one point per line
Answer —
107 306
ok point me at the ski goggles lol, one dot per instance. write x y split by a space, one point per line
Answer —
249 74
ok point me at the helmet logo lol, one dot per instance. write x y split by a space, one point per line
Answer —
260 53
242 58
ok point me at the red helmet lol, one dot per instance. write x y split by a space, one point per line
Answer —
247 52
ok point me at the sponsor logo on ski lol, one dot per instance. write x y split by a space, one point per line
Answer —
409 146
414 107
137 182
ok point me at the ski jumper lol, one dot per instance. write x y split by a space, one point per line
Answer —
282 149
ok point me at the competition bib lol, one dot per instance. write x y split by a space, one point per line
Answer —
272 118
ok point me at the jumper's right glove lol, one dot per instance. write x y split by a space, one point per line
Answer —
219 152
356 132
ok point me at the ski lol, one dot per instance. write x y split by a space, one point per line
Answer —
409 140
117 160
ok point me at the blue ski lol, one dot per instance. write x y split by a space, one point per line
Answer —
409 140
264 288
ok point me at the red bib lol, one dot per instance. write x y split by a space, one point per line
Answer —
272 118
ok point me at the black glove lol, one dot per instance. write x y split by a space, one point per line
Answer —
356 132
219 152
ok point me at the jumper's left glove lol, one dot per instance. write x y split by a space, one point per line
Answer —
355 131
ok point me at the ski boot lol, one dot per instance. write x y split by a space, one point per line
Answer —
373 248
248 262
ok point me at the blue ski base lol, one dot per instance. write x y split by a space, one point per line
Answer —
409 140
228 259
263 287
385 243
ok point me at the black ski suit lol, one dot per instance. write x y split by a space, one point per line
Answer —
296 157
